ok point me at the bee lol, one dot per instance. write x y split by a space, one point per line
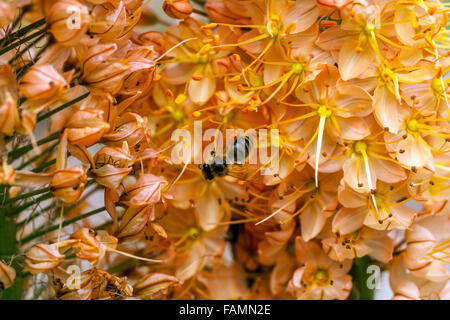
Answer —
218 167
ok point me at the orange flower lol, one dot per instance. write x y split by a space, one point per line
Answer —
408 287
382 209
357 244
319 277
427 252
108 21
197 53
195 247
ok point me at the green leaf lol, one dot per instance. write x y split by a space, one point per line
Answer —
359 273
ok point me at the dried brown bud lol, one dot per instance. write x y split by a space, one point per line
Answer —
130 127
133 221
86 127
146 191
42 257
155 286
109 21
68 21
177 9
68 184
96 284
7 276
42 82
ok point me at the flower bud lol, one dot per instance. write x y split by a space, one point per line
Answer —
108 21
68 21
218 11
7 273
42 257
88 247
152 38
177 9
110 176
117 157
133 221
42 82
130 127
146 191
86 127
96 284
155 286
68 184
141 74
7 173
111 166
9 116
103 72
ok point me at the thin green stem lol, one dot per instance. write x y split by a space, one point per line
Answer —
23 31
17 153
36 214
65 223
15 211
8 247
31 160
25 195
22 41
27 47
45 196
44 165
64 106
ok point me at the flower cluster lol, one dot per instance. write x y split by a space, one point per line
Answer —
357 91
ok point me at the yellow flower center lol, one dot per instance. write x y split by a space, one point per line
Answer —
369 29
255 79
194 233
177 113
324 112
273 27
436 86
413 125
379 201
297 68
202 58
312 185
321 278
360 147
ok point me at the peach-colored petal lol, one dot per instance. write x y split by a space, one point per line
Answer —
348 220
200 91
352 63
386 109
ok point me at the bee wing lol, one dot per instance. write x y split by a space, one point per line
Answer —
245 173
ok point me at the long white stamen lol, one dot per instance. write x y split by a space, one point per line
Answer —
278 211
369 180
445 93
319 147
174 47
133 256
397 89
